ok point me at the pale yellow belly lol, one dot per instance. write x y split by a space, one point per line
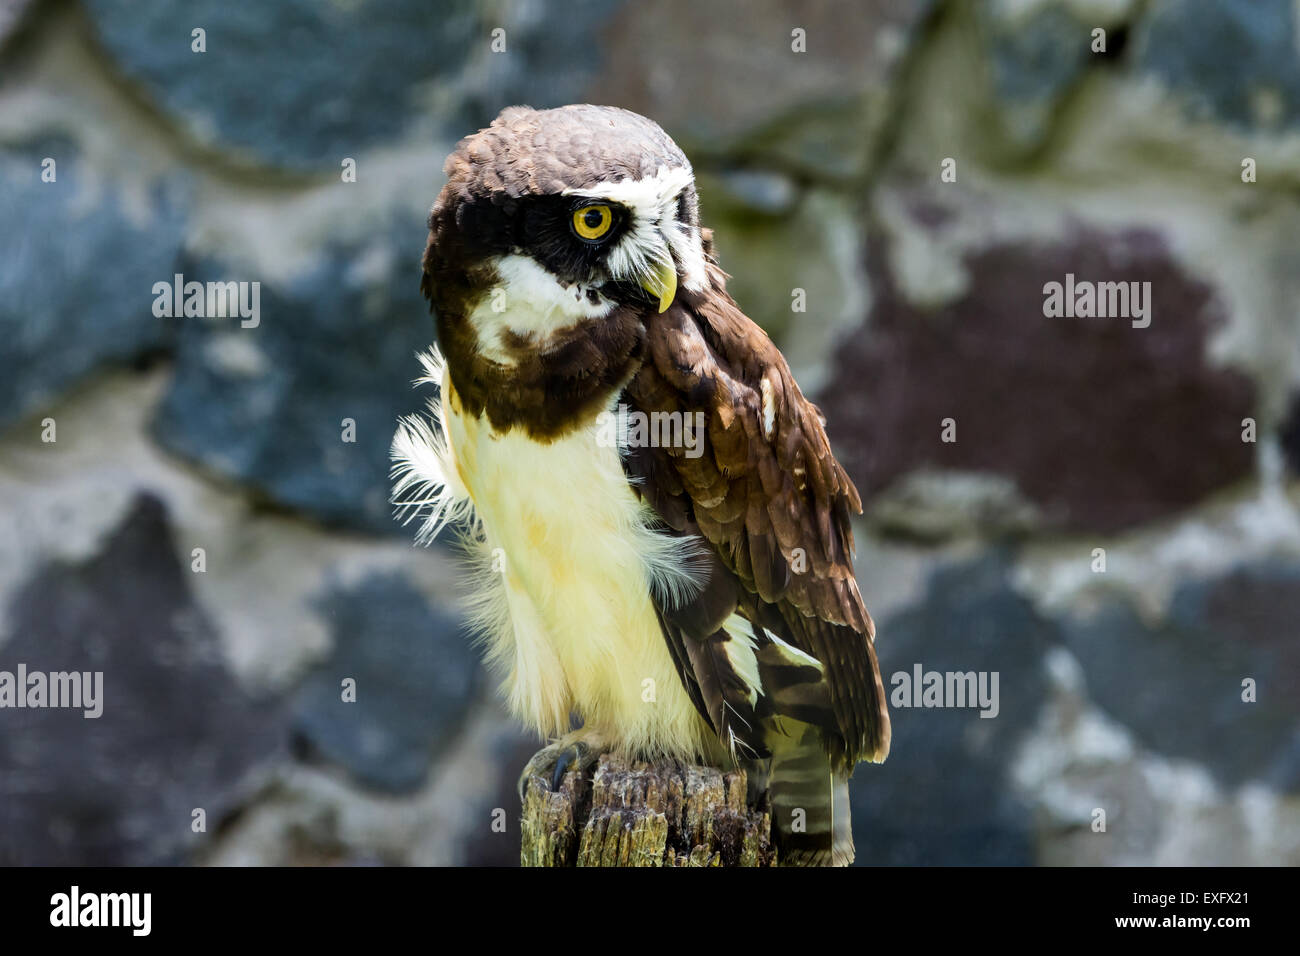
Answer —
566 563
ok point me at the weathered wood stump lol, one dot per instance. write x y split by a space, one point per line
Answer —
638 814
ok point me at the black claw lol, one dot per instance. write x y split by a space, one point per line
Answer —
561 765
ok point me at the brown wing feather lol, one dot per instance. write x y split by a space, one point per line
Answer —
767 493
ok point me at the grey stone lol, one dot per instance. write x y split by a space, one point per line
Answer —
294 82
1036 57
727 83
266 405
1234 60
933 506
415 676
176 733
756 192
556 51
944 796
510 751
12 13
77 280
1177 685
304 84
1290 435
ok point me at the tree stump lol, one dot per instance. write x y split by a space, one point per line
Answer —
639 814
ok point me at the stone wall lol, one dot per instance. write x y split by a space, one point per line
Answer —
1103 512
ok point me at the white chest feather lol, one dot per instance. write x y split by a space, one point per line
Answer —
565 562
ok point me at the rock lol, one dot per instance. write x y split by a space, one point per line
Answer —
465 814
11 17
1290 435
943 795
555 54
998 84
1038 54
353 76
415 675
934 506
1177 685
269 405
177 732
508 753
1101 799
723 83
1036 50
1101 425
1186 44
347 74
751 192
75 271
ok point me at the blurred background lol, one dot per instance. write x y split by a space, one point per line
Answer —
1108 532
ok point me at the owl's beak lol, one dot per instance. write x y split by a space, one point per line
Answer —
662 283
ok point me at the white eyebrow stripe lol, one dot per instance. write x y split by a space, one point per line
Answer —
646 196
651 200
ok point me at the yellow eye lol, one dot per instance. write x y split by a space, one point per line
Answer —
592 222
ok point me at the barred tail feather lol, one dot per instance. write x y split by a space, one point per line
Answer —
810 802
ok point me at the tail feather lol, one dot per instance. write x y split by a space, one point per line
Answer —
810 802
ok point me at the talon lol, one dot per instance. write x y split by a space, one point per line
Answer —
522 785
561 765
553 762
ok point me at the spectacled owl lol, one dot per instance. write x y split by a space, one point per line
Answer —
684 599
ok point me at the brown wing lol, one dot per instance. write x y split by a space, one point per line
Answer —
767 493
